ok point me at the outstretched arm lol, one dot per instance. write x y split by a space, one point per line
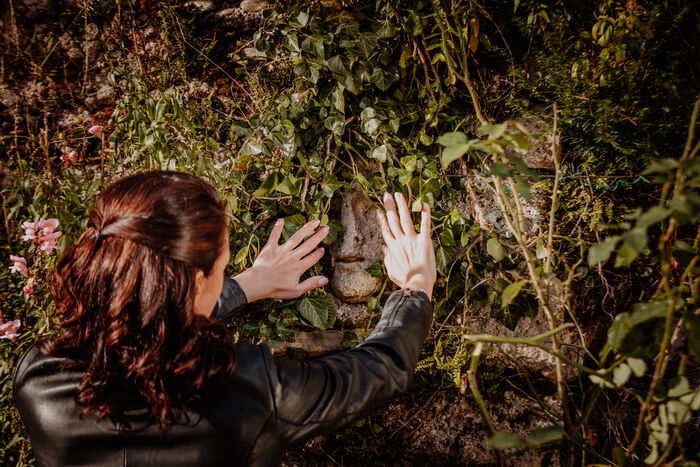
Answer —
324 394
276 271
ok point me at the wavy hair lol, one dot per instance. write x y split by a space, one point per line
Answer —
125 291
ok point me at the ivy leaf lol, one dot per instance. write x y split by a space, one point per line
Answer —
500 170
413 24
662 166
338 100
625 255
523 188
382 78
494 131
494 248
621 374
442 260
318 310
636 238
288 186
638 333
300 21
501 440
601 251
510 292
314 45
371 126
335 64
366 43
453 138
241 256
652 216
386 30
452 153
336 124
334 228
380 153
375 269
544 436
252 147
367 112
600 381
267 186
637 366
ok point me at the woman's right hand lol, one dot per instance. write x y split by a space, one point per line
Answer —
408 256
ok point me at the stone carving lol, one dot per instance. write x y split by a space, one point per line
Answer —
356 248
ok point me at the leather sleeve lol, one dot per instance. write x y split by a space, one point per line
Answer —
232 299
317 396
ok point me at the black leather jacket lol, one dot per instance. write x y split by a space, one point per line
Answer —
247 418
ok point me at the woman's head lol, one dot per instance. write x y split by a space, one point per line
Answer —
135 292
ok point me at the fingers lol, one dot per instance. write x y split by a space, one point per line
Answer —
310 284
276 233
312 242
309 260
425 221
393 219
405 215
386 232
300 234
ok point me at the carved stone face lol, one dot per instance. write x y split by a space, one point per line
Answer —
356 248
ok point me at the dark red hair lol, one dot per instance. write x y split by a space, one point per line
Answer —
125 290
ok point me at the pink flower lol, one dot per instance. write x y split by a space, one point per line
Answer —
30 229
19 265
29 288
43 231
70 158
48 242
9 330
96 130
47 226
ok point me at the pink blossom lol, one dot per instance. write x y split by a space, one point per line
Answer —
30 229
96 130
29 288
19 265
47 226
9 329
48 241
43 231
70 158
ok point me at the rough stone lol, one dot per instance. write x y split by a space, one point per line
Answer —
314 343
356 248
203 6
351 313
539 156
8 98
254 6
91 31
479 204
532 358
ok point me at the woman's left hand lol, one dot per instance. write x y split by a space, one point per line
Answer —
276 271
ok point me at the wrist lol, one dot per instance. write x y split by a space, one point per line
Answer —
250 283
420 284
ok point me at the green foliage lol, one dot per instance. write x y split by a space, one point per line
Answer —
402 96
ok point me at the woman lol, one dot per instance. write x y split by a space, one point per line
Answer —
144 371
